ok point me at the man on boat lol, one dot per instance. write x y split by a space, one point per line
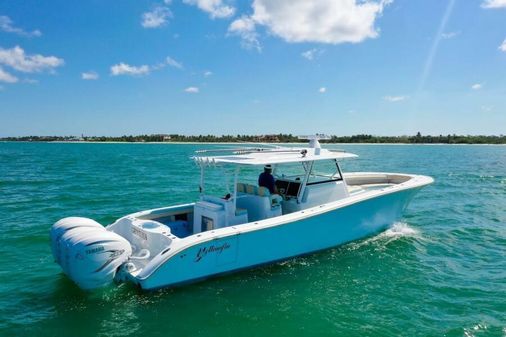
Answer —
265 179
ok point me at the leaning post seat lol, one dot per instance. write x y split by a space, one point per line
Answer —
241 188
263 192
275 198
251 189
260 191
259 202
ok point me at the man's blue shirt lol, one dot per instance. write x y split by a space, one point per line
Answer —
266 180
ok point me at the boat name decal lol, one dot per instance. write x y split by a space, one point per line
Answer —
203 251
139 233
94 250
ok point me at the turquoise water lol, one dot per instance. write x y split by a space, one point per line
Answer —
441 271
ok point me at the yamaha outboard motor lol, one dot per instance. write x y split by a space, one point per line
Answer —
89 254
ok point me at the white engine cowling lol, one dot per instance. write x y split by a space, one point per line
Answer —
88 253
65 224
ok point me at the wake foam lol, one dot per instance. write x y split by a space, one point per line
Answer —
397 231
400 229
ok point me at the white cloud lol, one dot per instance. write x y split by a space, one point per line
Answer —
322 90
311 54
502 47
324 21
395 98
208 73
494 4
192 90
156 18
245 28
173 63
6 77
477 86
449 35
18 60
6 25
89 75
215 8
125 69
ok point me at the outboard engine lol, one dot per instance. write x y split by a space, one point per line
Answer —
89 254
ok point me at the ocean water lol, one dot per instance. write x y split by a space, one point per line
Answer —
440 271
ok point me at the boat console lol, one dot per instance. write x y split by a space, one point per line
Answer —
288 188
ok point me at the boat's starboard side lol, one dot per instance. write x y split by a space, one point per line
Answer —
393 198
139 248
240 250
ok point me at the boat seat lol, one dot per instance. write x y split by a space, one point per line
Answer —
241 188
275 198
263 192
259 202
251 189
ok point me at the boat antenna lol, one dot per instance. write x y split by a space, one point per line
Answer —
314 141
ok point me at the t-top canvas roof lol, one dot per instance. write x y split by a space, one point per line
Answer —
273 156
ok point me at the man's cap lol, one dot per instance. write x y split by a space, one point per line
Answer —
267 167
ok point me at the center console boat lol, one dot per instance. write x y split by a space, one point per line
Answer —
317 207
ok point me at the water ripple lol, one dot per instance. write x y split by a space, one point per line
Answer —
441 271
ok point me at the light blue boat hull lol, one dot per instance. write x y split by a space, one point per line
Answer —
280 242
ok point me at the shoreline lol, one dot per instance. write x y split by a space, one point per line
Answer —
241 143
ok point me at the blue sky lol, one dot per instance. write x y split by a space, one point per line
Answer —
258 66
